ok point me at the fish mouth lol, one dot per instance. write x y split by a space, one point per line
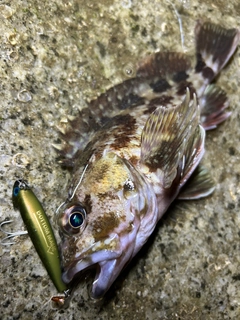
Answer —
105 262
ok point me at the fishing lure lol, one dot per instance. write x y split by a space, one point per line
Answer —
40 232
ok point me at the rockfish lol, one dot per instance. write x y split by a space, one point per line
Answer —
135 149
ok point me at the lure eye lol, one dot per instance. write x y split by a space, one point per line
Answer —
16 191
18 186
73 220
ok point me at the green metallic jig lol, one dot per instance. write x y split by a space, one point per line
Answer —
40 231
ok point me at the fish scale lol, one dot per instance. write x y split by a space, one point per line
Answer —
135 149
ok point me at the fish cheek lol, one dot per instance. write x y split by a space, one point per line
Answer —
68 251
105 225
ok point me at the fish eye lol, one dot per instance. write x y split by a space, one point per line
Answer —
76 219
73 220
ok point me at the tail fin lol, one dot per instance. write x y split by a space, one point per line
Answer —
214 47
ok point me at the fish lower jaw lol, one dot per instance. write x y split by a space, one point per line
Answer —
104 276
82 264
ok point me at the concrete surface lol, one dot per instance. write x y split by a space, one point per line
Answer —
54 55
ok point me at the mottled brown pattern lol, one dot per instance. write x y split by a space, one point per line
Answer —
104 225
151 108
180 76
208 73
68 254
201 66
160 85
161 101
88 203
126 128
163 64
181 89
99 175
134 160
200 63
131 101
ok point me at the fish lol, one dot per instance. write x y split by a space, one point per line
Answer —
134 150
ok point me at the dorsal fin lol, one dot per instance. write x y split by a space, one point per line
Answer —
213 104
162 64
90 119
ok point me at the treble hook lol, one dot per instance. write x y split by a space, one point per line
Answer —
9 234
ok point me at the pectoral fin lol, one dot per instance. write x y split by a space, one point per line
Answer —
172 140
192 155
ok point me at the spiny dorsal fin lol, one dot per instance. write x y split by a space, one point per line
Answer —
198 186
75 136
80 130
167 136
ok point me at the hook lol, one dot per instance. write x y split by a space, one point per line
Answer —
9 234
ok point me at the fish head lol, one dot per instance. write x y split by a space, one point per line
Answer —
109 218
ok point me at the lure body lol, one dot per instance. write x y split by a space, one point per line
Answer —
39 230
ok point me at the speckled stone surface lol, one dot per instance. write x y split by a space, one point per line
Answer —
54 55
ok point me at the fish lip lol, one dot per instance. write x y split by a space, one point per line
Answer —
81 265
86 260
